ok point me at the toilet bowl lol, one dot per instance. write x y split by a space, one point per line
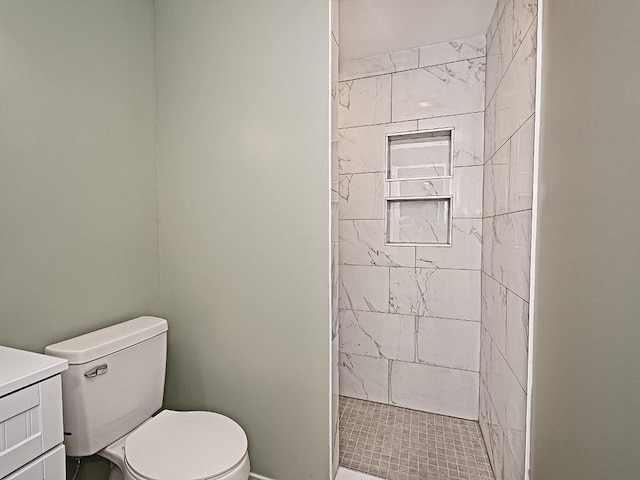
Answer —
181 445
111 393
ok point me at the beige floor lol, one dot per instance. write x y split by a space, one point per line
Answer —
401 444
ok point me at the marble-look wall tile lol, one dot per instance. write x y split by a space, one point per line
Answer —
362 149
374 334
449 343
490 136
485 353
509 134
493 27
335 397
514 428
366 101
363 377
453 51
496 189
521 168
524 13
512 466
335 19
502 156
334 60
435 293
334 92
335 201
334 161
379 64
500 51
382 335
468 145
466 188
517 344
465 251
494 310
361 196
511 262
362 242
491 432
448 89
487 245
501 4
434 389
334 107
364 288
335 287
515 98
496 378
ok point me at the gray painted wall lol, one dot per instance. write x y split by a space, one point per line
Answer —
243 95
78 196
243 128
586 386
78 201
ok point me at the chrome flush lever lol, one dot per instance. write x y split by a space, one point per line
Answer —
94 372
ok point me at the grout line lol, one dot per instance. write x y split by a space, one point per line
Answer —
395 360
517 131
533 22
502 285
416 268
409 69
506 213
396 122
408 315
503 355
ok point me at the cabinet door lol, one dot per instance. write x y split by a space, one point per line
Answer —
30 423
50 466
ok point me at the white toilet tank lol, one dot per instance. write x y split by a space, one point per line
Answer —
114 383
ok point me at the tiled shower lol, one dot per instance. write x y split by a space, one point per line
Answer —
399 305
433 258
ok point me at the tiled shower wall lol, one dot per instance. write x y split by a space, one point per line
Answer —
410 316
506 257
335 345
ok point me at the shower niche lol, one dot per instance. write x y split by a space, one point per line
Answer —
418 200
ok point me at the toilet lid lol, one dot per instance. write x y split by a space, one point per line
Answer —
185 446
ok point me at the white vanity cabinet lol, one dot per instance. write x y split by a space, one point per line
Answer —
31 432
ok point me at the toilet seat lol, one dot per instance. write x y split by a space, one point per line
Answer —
185 445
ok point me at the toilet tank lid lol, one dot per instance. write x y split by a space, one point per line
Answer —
103 342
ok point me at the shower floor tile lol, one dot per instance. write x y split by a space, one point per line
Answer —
401 444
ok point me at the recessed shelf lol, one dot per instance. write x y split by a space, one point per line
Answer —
424 221
418 155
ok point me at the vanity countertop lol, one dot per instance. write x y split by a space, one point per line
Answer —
19 368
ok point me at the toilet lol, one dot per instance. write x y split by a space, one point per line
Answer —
112 395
